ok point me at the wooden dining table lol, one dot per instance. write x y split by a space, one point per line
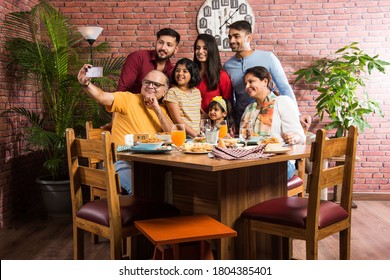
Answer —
222 189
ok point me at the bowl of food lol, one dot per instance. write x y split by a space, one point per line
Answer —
165 136
149 144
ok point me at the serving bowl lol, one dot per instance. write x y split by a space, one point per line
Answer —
148 146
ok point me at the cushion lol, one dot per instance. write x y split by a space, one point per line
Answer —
292 211
294 182
132 208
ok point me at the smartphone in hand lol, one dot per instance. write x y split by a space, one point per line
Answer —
95 72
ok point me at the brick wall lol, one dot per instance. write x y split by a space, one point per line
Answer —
297 31
18 169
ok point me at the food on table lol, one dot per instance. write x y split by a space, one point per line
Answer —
272 144
272 140
197 147
221 143
150 140
230 143
201 139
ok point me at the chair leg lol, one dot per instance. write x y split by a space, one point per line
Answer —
116 248
126 247
78 243
345 244
311 249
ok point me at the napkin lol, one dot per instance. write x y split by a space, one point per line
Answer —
124 148
240 153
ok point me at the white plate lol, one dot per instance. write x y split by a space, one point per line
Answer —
278 151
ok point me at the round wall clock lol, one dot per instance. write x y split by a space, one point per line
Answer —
215 15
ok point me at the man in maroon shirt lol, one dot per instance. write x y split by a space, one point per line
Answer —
141 62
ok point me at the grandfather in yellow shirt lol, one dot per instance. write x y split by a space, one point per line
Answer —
135 113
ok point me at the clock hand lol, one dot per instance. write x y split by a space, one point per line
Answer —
220 22
226 21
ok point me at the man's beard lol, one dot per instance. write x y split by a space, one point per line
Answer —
159 58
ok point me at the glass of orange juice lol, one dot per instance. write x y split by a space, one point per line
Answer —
223 130
178 135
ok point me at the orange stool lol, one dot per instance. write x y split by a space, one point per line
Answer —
183 237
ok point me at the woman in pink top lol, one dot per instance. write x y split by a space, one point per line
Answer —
215 81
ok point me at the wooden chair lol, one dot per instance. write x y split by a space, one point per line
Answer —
112 217
95 192
310 218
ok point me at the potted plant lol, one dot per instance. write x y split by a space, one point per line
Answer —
337 80
45 48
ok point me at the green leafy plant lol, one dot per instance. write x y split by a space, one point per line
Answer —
337 81
44 48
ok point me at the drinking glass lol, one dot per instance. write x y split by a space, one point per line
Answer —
212 133
202 126
223 130
178 135
246 134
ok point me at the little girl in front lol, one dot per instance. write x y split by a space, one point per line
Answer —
183 99
219 110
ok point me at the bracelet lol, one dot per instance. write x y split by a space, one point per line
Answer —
86 85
